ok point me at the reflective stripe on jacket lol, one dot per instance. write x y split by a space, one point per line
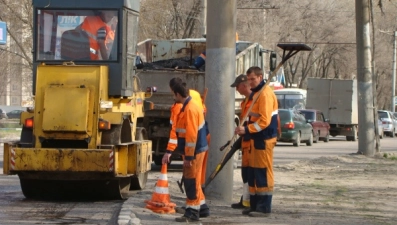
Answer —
263 122
91 25
175 110
191 130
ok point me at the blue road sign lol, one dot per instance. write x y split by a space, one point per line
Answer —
3 33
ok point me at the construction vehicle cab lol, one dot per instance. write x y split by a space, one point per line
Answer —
81 138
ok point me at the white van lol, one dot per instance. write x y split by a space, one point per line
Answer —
291 98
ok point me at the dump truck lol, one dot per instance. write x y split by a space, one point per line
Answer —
162 60
80 139
337 99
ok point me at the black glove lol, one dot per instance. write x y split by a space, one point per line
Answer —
101 33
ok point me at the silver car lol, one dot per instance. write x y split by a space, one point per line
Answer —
389 122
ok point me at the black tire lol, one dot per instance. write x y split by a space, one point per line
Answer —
348 138
138 182
310 141
297 142
326 139
158 160
316 138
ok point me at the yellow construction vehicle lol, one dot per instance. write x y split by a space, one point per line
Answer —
81 137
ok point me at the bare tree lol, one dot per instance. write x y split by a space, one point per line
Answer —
169 19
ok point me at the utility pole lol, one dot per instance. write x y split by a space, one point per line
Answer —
364 81
220 74
393 84
203 17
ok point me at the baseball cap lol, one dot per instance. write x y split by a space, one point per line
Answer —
240 79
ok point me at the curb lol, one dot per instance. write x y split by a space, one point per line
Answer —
127 215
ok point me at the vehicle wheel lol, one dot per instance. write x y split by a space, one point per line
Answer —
310 141
316 138
297 142
158 160
326 139
138 182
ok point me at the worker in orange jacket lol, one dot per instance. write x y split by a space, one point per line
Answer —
100 33
175 109
262 128
192 143
242 86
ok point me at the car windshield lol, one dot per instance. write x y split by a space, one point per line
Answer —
78 35
383 115
308 115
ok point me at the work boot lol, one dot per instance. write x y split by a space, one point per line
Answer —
247 211
180 210
264 203
239 205
252 207
204 210
191 215
258 214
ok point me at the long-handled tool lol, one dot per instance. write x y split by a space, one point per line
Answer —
292 50
180 184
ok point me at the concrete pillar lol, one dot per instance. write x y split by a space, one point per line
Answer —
220 74
366 133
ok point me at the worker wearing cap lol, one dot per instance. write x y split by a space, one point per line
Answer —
242 86
173 140
192 143
262 127
100 33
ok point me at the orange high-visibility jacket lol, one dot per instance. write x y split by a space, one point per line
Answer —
263 118
91 25
244 108
175 110
191 130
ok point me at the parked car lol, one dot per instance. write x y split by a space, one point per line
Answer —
295 128
381 131
389 122
319 123
3 114
14 114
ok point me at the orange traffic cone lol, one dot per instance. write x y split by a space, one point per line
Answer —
160 202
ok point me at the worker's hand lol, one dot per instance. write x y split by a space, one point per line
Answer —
187 163
166 158
101 34
239 130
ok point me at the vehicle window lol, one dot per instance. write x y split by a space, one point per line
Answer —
383 115
298 117
320 117
284 115
308 115
78 35
280 101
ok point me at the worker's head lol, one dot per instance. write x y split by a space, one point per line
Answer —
107 15
242 86
180 91
255 76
